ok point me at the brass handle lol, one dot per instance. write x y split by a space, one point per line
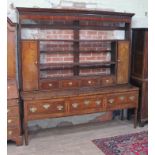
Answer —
98 102
70 83
75 105
8 87
111 100
10 132
9 121
60 107
33 109
8 110
89 82
50 84
121 98
132 98
86 102
36 62
118 60
107 81
46 106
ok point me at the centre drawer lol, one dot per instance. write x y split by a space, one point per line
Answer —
46 107
122 100
69 83
86 104
93 82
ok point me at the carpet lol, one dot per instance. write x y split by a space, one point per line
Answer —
130 144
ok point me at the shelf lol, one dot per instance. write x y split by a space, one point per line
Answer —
57 66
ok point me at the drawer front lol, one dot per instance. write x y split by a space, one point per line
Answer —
47 107
49 84
13 132
13 121
70 84
122 100
89 82
13 111
107 81
86 104
12 89
13 102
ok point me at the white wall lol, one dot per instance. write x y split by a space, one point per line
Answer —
139 7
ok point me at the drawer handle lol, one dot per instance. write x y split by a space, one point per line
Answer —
121 98
10 133
60 107
50 84
75 105
89 82
9 121
118 60
111 100
98 102
33 109
46 106
8 87
70 83
36 62
107 81
132 98
86 102
8 110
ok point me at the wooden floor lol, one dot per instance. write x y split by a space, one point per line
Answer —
75 140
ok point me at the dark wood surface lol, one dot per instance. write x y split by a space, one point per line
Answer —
139 75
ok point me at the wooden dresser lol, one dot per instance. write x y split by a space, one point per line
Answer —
139 71
74 62
13 101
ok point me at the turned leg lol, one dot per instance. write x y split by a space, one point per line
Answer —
135 118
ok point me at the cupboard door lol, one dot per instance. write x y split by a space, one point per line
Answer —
123 62
30 65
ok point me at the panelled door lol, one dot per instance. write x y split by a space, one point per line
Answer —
29 64
123 62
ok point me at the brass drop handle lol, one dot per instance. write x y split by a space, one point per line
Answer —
36 62
8 87
132 98
121 98
75 105
86 102
8 110
33 109
111 100
9 121
118 60
50 84
107 81
10 132
89 82
70 83
60 107
98 102
46 106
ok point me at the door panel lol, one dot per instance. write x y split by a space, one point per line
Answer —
123 62
30 65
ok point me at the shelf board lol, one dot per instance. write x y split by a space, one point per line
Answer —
60 66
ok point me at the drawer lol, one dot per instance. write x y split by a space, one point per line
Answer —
107 81
13 102
86 104
69 83
46 107
49 84
13 111
13 121
13 132
89 82
12 89
122 100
